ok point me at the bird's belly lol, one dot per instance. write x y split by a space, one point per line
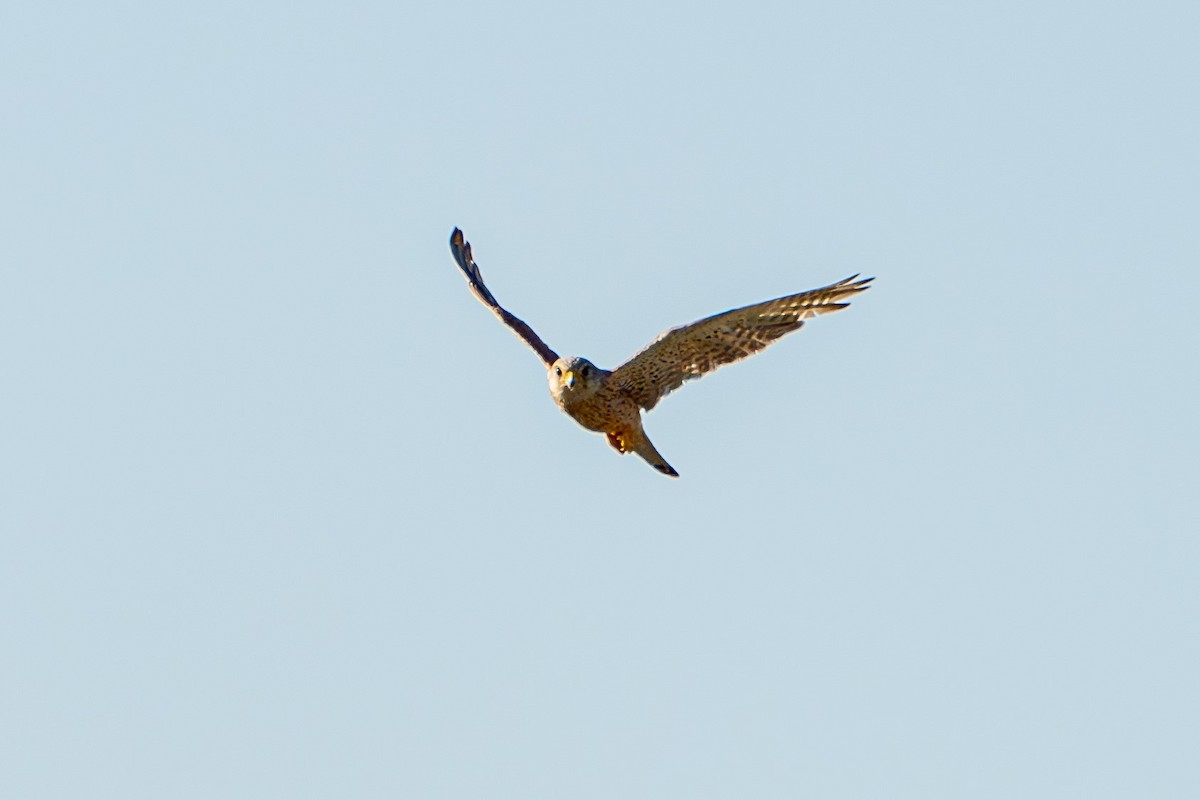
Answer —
603 413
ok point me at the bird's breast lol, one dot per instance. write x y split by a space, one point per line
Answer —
604 411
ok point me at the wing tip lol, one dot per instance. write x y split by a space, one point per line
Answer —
853 283
461 249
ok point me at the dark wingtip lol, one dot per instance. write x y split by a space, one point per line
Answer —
461 249
854 284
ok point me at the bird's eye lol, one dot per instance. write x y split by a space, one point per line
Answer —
584 372
558 371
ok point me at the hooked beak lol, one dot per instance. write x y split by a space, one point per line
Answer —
569 379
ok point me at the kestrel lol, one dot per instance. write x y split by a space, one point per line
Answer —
611 401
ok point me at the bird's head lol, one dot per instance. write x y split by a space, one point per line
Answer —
573 379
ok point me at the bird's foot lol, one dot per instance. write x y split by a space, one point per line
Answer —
619 443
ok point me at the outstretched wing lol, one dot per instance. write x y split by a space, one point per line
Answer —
462 254
693 350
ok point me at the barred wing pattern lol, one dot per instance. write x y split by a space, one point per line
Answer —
462 254
688 352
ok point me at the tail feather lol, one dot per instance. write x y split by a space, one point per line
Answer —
651 456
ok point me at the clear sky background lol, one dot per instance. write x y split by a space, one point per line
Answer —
286 513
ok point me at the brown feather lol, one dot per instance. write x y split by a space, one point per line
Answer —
693 350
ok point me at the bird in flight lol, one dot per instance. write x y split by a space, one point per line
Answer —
611 401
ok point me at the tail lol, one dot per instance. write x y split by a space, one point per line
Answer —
645 449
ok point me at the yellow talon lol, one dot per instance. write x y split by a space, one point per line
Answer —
618 441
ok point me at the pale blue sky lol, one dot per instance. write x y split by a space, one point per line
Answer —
286 513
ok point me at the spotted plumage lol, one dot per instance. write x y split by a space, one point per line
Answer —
611 402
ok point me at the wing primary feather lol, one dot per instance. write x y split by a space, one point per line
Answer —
461 249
